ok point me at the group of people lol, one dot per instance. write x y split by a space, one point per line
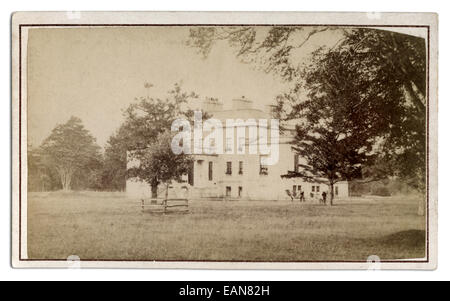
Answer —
323 200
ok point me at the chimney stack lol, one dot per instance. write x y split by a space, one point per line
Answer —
242 103
212 105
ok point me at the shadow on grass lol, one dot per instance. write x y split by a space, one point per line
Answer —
408 238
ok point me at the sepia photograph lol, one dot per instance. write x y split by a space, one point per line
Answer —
244 141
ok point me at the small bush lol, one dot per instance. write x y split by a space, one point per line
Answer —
381 191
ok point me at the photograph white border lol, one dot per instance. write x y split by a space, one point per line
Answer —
194 18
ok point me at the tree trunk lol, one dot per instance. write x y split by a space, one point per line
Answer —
414 98
66 179
154 191
154 185
331 194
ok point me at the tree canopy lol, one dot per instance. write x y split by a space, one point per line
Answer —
145 133
380 74
337 123
70 151
158 163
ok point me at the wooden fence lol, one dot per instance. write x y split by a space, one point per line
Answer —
165 206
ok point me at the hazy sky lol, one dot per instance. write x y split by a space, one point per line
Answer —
94 73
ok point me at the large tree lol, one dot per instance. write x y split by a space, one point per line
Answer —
395 64
278 49
337 122
392 66
71 151
147 122
159 164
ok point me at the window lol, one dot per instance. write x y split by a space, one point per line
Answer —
228 172
228 191
241 167
229 145
299 188
241 144
210 171
317 188
313 188
263 170
212 145
336 190
240 191
294 189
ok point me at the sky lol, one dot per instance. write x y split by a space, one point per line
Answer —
95 73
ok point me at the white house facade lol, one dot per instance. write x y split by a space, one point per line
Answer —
242 176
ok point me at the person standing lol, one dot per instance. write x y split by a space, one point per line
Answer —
302 196
324 197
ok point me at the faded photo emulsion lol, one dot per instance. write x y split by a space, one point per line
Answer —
291 144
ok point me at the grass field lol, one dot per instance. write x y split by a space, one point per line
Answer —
95 225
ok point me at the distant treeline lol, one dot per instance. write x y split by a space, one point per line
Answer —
70 159
387 187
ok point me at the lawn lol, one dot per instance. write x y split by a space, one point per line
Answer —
96 225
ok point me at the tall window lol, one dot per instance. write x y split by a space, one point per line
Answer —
241 167
313 188
336 190
317 188
210 171
228 172
241 144
228 191
229 144
212 145
240 191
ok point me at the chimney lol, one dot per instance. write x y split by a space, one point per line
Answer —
212 105
270 109
242 103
